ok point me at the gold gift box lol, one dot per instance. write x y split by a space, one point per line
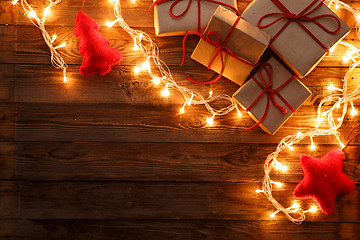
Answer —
294 92
166 25
246 41
294 45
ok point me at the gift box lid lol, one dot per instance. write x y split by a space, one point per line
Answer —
246 40
294 92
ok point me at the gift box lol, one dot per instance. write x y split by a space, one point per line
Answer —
302 31
230 46
173 18
272 95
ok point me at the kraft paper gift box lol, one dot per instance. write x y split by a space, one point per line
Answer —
288 92
245 41
167 25
294 45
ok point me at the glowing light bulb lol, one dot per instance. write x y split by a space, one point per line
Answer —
290 147
210 121
137 69
353 111
14 2
65 78
299 134
337 6
259 191
32 14
145 65
332 49
182 110
112 23
331 87
46 12
165 92
346 59
295 205
53 38
210 94
280 167
136 47
238 112
278 184
61 46
313 209
312 146
156 81
273 214
337 104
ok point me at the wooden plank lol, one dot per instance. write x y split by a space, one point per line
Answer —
27 46
7 121
156 161
7 160
176 229
141 123
9 193
159 200
7 46
44 84
7 76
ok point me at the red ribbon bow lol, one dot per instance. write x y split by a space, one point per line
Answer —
270 93
303 16
219 45
157 2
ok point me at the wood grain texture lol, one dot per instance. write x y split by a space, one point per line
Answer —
175 229
122 86
142 123
105 157
212 162
156 200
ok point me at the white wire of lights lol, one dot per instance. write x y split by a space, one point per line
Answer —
56 60
150 52
330 107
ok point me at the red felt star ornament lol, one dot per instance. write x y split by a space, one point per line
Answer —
324 179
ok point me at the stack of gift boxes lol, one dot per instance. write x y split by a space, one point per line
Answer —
298 32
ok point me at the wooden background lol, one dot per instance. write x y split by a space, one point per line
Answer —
109 158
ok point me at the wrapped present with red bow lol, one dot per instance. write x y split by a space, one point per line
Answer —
230 46
272 95
176 17
302 31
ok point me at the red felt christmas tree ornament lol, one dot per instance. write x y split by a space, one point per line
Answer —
324 178
98 56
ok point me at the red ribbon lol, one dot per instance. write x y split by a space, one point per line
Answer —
219 45
270 93
157 2
303 16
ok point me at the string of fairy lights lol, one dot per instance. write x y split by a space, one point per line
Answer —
331 110
56 60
